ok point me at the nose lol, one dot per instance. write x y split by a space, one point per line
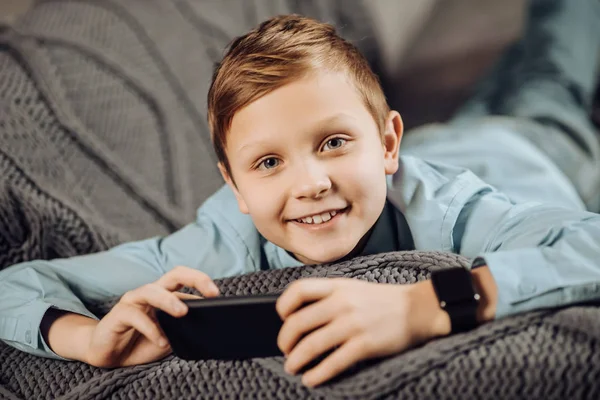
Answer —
311 182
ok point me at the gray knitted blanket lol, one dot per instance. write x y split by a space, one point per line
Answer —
534 356
103 139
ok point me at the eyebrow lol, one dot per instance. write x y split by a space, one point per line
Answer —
319 127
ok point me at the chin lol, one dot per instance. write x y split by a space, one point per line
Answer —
327 257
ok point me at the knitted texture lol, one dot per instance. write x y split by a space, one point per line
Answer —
533 356
103 139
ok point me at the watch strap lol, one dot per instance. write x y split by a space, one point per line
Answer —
457 296
463 317
478 262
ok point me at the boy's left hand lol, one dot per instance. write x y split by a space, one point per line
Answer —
361 320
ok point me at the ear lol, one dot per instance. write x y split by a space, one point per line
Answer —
392 136
240 200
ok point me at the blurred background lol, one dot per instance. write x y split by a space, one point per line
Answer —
435 49
9 9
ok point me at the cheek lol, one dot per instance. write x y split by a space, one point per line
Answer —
365 170
264 201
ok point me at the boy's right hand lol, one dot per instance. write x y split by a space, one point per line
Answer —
129 334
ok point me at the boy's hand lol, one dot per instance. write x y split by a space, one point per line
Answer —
129 334
361 320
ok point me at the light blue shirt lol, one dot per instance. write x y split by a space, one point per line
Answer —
540 256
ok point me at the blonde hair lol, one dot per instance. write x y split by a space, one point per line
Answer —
279 51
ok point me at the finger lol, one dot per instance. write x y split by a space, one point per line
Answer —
129 316
317 343
141 355
305 321
337 362
303 291
184 276
157 297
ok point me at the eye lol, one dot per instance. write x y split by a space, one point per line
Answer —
268 163
334 143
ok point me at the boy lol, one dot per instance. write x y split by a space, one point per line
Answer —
306 142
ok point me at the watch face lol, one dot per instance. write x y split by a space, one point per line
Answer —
454 285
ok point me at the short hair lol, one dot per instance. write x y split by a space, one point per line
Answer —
277 52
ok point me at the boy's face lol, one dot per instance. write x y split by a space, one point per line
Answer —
310 166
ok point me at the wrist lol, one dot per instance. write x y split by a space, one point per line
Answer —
433 320
68 334
84 335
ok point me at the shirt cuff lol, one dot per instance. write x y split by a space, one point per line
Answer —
23 332
525 281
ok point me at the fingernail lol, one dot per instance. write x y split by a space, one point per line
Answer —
215 288
180 307
162 342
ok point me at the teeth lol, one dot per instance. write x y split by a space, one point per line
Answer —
319 218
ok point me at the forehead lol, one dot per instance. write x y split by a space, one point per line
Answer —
300 106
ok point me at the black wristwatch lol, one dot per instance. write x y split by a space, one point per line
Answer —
457 296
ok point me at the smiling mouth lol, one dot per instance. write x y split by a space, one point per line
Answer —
322 218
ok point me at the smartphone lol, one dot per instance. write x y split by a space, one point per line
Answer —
224 328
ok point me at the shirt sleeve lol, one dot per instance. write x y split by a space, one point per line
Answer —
27 290
540 256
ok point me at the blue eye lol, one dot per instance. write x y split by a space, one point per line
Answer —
334 143
269 163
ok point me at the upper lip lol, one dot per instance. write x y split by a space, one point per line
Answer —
320 212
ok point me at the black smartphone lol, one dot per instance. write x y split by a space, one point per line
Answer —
224 328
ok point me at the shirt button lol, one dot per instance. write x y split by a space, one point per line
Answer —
28 337
526 289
